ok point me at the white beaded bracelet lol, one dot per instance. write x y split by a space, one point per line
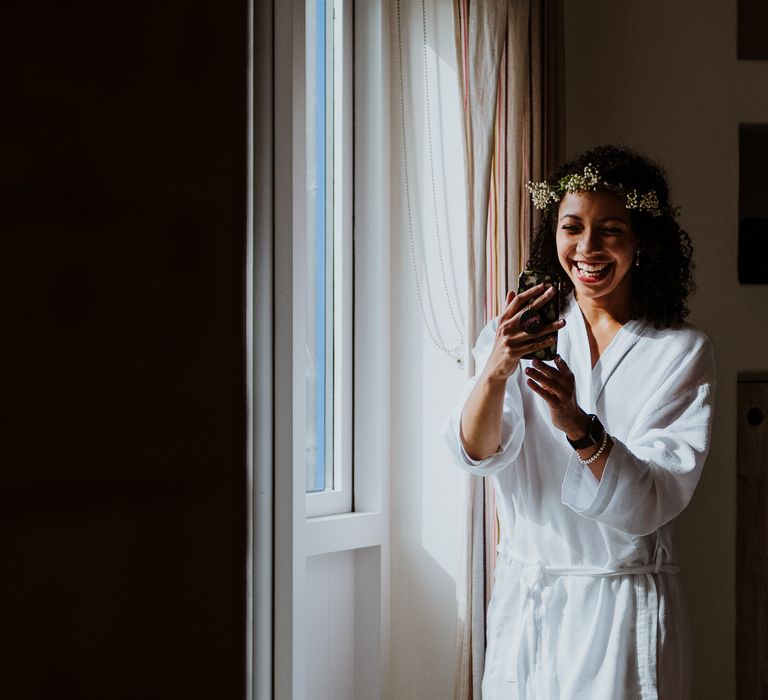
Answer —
603 443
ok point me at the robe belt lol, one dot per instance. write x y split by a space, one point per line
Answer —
646 631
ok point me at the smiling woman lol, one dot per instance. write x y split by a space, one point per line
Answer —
592 457
596 246
661 278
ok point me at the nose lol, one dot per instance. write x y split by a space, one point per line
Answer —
589 241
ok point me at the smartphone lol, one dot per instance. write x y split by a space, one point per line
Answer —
534 319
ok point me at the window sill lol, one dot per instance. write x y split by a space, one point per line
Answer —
340 533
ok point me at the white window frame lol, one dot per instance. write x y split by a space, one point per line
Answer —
294 536
339 498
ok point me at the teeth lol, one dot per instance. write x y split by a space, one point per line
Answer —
584 267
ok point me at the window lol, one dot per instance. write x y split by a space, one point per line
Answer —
312 171
329 275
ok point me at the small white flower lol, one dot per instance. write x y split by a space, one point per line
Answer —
543 194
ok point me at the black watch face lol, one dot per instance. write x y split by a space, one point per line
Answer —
595 431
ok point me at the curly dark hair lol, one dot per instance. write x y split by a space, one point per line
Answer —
664 279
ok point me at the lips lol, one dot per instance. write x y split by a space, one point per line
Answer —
590 273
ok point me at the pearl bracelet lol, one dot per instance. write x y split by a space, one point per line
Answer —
603 443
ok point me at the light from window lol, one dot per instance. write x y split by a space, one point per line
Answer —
326 239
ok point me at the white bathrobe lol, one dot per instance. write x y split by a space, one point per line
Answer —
586 602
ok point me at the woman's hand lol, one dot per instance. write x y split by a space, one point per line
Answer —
556 385
481 417
512 342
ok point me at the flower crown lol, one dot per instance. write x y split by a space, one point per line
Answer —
543 193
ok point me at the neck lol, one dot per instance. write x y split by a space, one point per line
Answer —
603 319
601 312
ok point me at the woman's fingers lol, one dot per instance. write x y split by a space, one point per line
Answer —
538 298
510 322
529 300
535 304
562 365
554 384
523 300
525 344
510 308
553 327
549 397
557 380
511 338
541 298
512 327
550 372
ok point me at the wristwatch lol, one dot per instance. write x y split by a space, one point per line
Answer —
594 434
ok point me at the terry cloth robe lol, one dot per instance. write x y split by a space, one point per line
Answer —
586 602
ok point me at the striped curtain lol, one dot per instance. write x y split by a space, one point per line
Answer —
510 73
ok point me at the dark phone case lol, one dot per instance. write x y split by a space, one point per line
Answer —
549 313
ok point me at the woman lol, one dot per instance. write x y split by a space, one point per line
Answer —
596 453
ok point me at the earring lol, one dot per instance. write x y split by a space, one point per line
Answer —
637 258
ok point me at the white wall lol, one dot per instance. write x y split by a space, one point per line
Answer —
663 78
425 536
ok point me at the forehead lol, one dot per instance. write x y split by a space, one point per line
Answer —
593 206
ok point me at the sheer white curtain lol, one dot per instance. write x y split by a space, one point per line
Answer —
510 73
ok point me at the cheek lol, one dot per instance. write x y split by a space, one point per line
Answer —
563 251
627 256
561 247
629 248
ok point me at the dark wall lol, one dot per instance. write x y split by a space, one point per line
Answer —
122 410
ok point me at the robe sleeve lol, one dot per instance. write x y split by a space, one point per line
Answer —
650 477
512 429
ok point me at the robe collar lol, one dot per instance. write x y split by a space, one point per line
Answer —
591 381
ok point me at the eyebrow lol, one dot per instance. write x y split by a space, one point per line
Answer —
603 220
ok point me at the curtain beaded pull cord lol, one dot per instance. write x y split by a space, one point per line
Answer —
456 352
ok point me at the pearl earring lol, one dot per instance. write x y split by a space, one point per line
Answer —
637 258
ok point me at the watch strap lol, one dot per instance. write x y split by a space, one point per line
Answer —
594 434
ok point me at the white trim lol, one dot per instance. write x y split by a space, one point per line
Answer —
290 390
365 534
258 314
343 242
339 499
372 261
331 502
372 435
340 533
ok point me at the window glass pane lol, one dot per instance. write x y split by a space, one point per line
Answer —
320 244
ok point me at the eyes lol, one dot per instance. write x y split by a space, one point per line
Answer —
609 230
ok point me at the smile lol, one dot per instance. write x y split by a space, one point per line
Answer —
591 272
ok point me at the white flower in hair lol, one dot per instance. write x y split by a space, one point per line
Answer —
543 193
